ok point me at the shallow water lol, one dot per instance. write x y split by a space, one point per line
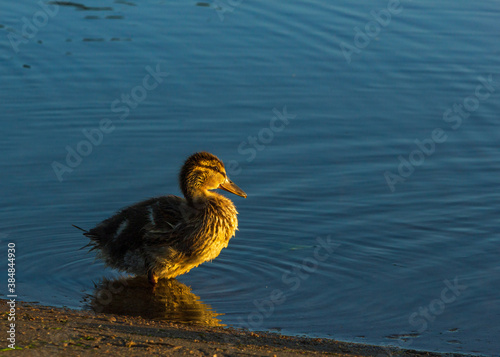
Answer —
414 266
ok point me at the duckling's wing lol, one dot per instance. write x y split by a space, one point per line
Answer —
136 227
173 224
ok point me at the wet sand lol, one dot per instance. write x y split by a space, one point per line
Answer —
48 331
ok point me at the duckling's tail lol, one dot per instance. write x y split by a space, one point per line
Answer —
84 230
85 233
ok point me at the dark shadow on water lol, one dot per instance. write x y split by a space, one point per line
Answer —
79 6
169 300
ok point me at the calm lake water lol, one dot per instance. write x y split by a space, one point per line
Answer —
364 133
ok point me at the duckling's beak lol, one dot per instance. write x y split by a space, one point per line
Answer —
229 186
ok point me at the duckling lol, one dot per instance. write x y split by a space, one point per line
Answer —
167 236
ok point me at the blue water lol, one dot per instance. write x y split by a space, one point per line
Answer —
383 146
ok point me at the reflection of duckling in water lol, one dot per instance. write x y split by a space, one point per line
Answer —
167 236
170 300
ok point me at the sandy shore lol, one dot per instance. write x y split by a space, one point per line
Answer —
48 331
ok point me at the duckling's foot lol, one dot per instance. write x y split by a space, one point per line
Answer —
153 279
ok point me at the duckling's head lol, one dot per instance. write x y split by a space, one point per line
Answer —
203 172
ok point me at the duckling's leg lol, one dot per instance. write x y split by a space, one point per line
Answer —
153 279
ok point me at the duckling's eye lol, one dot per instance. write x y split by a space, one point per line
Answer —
216 169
